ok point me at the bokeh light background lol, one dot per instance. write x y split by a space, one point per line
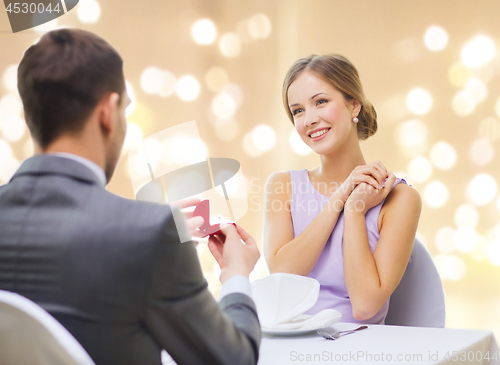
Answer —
431 69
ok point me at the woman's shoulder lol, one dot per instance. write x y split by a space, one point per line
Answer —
279 184
279 176
404 195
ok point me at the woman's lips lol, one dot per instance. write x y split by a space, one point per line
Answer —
321 137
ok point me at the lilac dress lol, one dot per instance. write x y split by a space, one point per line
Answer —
306 203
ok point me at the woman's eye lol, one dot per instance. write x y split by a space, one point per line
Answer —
321 101
296 111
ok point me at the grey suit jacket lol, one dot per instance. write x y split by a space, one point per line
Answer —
114 273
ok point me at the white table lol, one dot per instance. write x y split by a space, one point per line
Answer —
382 345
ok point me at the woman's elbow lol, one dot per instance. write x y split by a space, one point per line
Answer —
364 313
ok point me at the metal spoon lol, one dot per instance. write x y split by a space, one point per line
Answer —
334 336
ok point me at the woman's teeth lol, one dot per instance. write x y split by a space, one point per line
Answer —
319 133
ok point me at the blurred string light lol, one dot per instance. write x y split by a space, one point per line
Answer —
298 145
152 80
464 103
223 106
480 251
157 81
230 45
482 189
443 155
28 148
10 105
226 130
412 136
263 137
182 149
419 101
477 89
466 215
489 129
168 87
420 169
422 237
259 26
465 239
216 79
478 51
187 88
481 152
395 108
133 101
249 147
133 137
243 32
494 252
5 149
13 128
435 194
235 92
435 38
8 163
10 78
88 11
444 240
485 73
256 27
450 267
204 32
408 50
459 74
45 27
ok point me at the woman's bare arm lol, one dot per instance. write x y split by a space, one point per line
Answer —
283 252
372 278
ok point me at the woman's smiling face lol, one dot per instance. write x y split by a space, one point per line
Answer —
321 114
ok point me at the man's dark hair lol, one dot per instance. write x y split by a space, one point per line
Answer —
62 78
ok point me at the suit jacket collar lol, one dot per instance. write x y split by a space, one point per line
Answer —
53 165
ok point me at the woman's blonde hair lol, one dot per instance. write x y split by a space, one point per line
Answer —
343 76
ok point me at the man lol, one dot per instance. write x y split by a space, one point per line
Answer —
113 271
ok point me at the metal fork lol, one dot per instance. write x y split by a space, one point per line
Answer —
334 336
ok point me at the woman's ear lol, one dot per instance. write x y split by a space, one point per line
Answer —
356 107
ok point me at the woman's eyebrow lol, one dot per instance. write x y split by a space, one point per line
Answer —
312 97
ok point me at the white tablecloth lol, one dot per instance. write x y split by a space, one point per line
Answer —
383 345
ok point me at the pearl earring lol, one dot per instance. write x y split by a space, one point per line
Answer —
355 119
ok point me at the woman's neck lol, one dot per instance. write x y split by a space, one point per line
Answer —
336 167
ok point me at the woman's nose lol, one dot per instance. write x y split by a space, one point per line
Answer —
310 119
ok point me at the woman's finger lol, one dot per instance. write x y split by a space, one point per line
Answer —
368 179
381 170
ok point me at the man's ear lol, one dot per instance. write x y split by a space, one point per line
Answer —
109 106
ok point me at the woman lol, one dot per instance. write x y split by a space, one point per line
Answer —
348 224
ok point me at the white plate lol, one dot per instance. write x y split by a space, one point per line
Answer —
306 328
298 331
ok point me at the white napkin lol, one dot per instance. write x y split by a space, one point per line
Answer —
322 319
281 299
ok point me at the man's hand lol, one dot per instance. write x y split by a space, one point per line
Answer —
193 223
235 251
